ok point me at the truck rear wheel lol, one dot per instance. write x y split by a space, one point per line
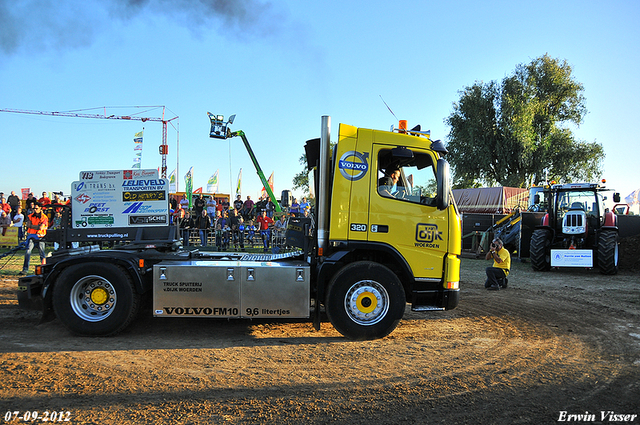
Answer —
539 250
608 252
365 300
95 299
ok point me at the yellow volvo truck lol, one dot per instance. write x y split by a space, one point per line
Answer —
385 233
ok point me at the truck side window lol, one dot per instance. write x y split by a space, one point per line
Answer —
410 180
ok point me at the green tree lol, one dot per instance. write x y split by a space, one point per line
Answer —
515 133
301 180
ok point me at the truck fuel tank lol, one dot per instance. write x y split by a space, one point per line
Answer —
231 289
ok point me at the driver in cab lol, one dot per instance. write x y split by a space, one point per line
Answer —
387 185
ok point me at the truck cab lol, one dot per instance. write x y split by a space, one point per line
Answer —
408 221
411 228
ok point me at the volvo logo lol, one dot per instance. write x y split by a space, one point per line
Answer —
353 165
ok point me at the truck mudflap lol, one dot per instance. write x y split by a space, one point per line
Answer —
30 292
32 295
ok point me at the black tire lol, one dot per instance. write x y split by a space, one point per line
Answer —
95 299
608 252
365 300
539 250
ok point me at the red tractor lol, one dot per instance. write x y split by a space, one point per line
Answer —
577 230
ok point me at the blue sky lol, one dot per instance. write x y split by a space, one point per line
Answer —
281 65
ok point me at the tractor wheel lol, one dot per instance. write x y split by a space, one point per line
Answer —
95 299
365 300
608 252
539 250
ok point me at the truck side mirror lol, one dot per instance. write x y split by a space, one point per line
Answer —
443 176
616 197
536 198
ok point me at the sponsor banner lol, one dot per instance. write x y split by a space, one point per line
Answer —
145 195
212 184
119 174
571 258
136 220
239 186
143 207
188 179
121 198
96 186
173 187
108 234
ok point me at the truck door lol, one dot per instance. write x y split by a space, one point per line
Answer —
402 210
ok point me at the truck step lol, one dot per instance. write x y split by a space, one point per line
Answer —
425 308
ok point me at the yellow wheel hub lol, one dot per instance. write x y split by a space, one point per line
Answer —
366 302
99 296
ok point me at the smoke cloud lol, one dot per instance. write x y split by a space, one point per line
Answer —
45 24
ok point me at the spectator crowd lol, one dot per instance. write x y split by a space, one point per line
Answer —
16 214
32 221
235 225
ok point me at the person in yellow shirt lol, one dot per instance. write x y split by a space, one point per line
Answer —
497 274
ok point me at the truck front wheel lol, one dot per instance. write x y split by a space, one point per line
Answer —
365 300
95 299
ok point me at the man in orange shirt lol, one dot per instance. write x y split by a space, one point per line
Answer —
37 224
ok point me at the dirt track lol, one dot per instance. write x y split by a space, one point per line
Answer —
564 341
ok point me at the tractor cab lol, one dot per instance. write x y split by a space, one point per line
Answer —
579 212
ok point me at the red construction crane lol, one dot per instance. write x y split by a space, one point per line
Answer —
164 148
